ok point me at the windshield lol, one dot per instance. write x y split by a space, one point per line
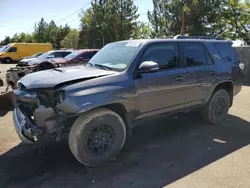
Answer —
116 56
7 47
71 55
45 55
35 55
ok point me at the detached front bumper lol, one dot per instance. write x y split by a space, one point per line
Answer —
21 130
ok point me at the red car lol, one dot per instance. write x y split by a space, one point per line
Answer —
77 56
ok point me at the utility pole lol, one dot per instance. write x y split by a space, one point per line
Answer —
121 35
182 20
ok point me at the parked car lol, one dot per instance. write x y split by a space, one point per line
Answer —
77 56
29 58
47 56
33 56
17 51
124 83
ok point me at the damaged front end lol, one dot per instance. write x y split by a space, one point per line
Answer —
36 116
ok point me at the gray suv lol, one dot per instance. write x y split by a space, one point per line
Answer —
126 82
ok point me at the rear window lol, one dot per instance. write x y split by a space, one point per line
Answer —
226 51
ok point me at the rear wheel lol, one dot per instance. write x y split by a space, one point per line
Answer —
97 137
217 108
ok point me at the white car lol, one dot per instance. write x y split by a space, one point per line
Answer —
46 56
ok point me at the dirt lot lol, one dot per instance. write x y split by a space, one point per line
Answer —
182 152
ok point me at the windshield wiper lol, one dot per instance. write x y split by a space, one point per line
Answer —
102 66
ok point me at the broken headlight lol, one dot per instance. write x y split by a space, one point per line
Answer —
59 97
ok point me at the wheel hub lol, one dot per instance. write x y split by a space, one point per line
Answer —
220 107
101 139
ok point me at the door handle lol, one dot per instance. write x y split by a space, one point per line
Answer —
178 78
212 73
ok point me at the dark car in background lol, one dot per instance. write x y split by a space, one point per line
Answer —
46 57
77 56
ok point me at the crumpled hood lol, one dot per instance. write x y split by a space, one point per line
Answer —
53 77
28 59
36 61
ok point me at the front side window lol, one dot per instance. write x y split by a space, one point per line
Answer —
13 49
226 51
165 54
194 54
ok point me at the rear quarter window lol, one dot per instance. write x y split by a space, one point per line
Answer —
226 52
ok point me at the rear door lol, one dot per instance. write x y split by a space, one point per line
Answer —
200 72
164 90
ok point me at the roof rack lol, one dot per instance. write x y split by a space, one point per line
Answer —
198 37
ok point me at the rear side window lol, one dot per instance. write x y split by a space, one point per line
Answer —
226 52
194 54
165 54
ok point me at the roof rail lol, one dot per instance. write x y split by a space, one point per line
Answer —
198 37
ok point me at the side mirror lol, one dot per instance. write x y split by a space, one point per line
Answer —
148 66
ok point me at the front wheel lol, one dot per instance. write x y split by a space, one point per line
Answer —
8 60
217 108
97 137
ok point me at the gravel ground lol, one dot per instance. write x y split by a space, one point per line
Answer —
180 152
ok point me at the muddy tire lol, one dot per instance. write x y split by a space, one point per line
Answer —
8 60
97 137
217 108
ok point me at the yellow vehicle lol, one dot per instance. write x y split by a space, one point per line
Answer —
17 51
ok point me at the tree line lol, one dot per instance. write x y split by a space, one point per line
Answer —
111 20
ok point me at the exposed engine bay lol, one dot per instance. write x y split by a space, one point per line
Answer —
38 113
47 103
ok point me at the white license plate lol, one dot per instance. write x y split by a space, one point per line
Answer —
21 118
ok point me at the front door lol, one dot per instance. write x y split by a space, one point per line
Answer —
14 54
163 90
